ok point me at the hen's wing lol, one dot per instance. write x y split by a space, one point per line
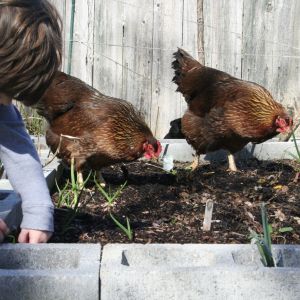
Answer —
61 96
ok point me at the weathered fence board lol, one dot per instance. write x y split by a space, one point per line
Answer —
223 28
167 36
108 47
83 41
271 47
137 54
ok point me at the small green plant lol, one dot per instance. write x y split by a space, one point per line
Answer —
34 123
127 230
11 239
263 241
70 194
283 230
296 157
109 196
111 199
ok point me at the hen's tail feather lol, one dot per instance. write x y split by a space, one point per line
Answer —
183 63
175 130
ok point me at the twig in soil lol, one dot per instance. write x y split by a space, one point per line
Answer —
295 180
154 166
58 148
208 215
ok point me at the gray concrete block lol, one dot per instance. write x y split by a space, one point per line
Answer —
269 150
10 209
162 271
49 271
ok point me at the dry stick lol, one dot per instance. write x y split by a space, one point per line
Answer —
154 166
208 215
58 148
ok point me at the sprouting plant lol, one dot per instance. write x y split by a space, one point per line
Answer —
11 238
34 123
70 194
297 156
263 241
127 230
109 196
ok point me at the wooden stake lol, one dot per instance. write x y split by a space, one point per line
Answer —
208 215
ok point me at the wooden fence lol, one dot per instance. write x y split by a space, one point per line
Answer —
124 47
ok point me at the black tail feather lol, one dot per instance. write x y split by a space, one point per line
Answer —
175 130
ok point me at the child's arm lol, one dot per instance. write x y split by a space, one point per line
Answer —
24 171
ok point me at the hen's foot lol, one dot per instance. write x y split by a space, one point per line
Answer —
80 178
231 163
100 179
195 164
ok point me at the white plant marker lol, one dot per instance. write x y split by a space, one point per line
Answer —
208 215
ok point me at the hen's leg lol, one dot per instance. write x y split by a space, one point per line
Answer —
100 178
231 163
79 178
194 165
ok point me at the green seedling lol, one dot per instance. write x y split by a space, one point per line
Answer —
34 123
109 196
296 157
70 194
11 239
110 199
285 229
127 230
263 242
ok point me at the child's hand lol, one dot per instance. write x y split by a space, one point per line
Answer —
34 236
3 230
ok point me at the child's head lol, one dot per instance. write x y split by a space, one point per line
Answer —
30 48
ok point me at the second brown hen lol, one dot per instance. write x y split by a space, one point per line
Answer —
225 112
94 129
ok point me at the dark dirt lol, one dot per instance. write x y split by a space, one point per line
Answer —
168 208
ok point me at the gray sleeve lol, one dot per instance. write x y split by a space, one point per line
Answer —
24 171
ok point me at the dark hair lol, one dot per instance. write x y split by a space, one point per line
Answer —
30 48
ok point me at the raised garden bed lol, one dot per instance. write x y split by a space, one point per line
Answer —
166 208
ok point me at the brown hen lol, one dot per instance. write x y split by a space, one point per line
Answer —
94 129
224 112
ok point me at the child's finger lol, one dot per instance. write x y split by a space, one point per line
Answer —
23 236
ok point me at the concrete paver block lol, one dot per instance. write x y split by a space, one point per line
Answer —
164 271
272 149
49 271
